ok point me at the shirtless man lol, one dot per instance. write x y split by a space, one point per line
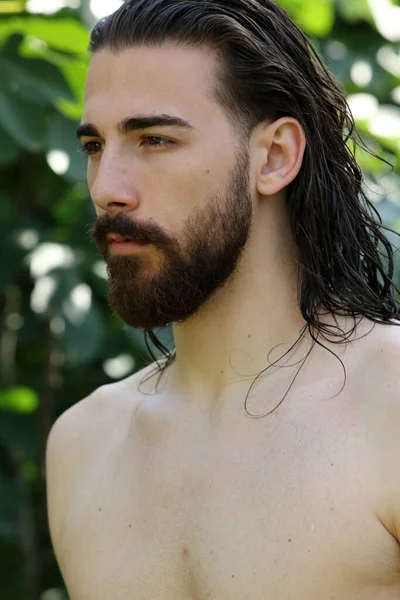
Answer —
206 486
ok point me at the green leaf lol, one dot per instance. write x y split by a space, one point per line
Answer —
51 80
12 45
74 72
83 333
9 149
11 255
82 342
62 136
7 201
21 433
12 584
27 123
73 69
19 400
8 498
314 17
370 164
34 79
317 17
16 81
62 34
354 10
30 471
69 110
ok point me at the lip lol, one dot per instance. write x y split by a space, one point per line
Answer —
124 248
116 237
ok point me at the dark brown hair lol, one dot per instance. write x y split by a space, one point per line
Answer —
268 67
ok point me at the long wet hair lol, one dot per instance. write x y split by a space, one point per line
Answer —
267 68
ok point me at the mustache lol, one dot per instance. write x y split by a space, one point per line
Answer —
122 225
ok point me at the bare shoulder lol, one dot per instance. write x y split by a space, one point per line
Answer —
75 439
378 374
381 384
98 412
372 390
381 362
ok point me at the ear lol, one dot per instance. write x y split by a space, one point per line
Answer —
280 150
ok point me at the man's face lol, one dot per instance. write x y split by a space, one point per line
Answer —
186 197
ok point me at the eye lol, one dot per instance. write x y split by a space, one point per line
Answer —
91 148
163 141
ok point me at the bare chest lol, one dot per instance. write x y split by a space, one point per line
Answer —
278 509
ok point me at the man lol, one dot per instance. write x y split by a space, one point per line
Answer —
229 205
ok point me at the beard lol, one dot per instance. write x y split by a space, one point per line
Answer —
169 282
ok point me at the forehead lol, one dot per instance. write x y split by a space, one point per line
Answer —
166 78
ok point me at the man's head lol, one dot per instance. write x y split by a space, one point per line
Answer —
187 190
262 127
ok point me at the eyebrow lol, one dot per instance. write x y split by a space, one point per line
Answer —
137 122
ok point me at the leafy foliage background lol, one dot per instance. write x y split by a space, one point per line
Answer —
58 338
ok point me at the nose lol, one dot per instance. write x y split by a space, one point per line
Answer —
111 190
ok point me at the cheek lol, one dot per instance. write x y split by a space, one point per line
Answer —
90 174
176 189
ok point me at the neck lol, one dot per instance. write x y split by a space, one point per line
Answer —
229 340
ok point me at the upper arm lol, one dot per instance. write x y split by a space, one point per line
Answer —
74 439
59 467
65 455
385 428
391 445
72 442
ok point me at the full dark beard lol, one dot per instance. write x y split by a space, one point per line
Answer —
152 291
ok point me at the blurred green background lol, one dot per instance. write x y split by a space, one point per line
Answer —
58 338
